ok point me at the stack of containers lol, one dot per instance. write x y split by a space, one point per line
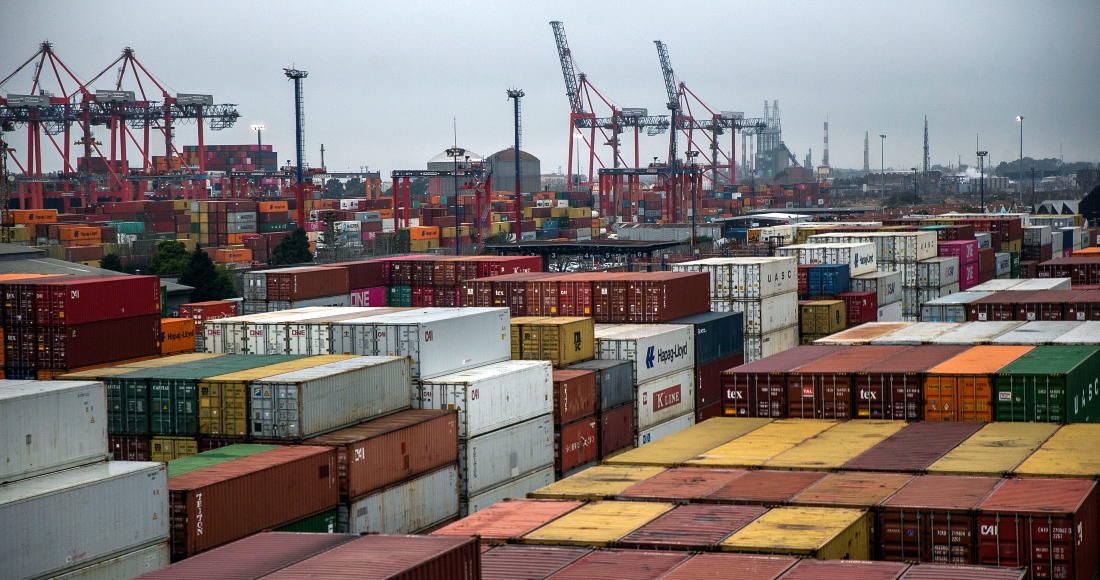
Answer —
663 360
288 288
576 426
201 312
961 388
615 403
887 287
820 318
718 346
53 435
505 440
938 277
764 290
967 253
1038 244
950 308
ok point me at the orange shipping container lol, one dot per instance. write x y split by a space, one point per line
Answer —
79 233
272 206
961 388
386 213
235 239
33 216
177 335
1085 253
424 233
232 256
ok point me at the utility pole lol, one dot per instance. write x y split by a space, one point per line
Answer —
1020 118
259 129
299 137
981 164
456 152
882 160
691 155
516 95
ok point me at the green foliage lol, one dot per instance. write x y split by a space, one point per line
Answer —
501 238
418 186
111 261
169 259
334 189
210 282
355 187
294 249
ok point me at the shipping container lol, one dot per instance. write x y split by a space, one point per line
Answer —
492 459
128 448
1087 333
758 446
655 350
597 483
513 489
295 284
995 450
680 485
71 347
949 572
75 301
976 334
165 449
531 562
576 444
616 429
1069 452
999 306
834 447
663 399
634 564
693 527
110 508
764 315
885 285
825 534
210 507
213 457
508 520
1046 305
393 557
441 341
484 396
758 346
961 388
917 334
575 395
718 335
322 523
1048 525
128 565
614 381
820 317
893 388
861 257
762 487
851 490
680 447
1054 384
951 308
407 507
48 426
177 335
708 382
758 389
824 389
658 297
745 566
845 569
745 278
390 449
598 524
914 448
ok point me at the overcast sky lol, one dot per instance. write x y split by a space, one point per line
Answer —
387 78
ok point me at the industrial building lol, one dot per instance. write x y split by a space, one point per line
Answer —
504 171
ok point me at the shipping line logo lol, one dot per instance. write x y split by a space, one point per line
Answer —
665 355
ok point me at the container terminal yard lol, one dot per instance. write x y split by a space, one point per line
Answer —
223 363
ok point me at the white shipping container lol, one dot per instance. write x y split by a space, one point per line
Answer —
323 301
746 277
662 399
985 240
950 308
515 489
68 519
50 425
1002 263
324 398
665 429
976 332
491 397
1057 242
444 340
937 272
758 346
1037 235
1037 332
890 313
763 316
129 565
885 285
404 508
914 334
861 257
914 246
997 285
928 294
1036 284
496 458
347 226
1085 333
655 350
255 285
908 271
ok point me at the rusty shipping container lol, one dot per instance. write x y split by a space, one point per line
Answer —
509 520
251 558
853 489
82 300
306 283
93 343
576 443
914 448
931 519
745 566
625 564
680 484
658 297
823 389
215 505
961 388
389 449
759 388
692 527
392 558
528 562
575 395
762 487
893 388
616 429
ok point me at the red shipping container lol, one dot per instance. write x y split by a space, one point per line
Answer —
390 449
306 283
20 347
804 279
1029 268
999 306
575 444
210 310
1045 305
657 297
72 347
80 300
609 297
616 429
763 487
680 484
1085 306
987 260
574 295
542 296
823 389
364 273
500 265
575 395
1049 525
968 276
693 527
216 505
518 561
423 296
931 519
941 571
709 412
445 296
393 557
708 380
128 448
251 557
746 567
861 306
914 448
633 564
759 388
965 250
476 293
893 388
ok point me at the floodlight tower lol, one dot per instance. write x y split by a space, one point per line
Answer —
299 136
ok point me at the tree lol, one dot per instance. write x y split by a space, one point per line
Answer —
111 261
355 187
294 249
169 259
418 186
334 189
209 282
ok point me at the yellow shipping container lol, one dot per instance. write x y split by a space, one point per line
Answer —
516 330
674 449
834 447
822 317
169 448
449 232
595 483
562 341
223 399
1071 452
598 524
578 212
822 533
500 227
995 450
1012 245
559 212
423 245
18 234
760 445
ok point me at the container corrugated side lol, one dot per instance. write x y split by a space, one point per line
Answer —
598 524
50 425
1057 384
851 490
961 388
516 488
392 557
760 445
252 557
664 399
746 566
497 457
624 564
404 508
914 448
1070 452
693 527
948 572
919 333
834 447
614 381
995 450
129 565
680 447
680 484
441 341
599 482
510 562
324 398
109 508
656 350
509 520
485 396
838 569
763 487
973 334
824 533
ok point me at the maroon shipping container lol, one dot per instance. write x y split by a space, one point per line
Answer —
984 277
215 505
1084 306
128 447
79 300
758 389
389 449
860 306
804 279
987 260
380 557
210 310
364 273
893 388
423 296
306 283
1045 305
657 297
18 304
739 566
252 557
708 380
574 295
709 412
476 293
1049 525
692 527
616 429
997 307
72 347
914 448
823 389
853 490
768 488
932 519
845 570
498 265
948 572
1081 271
575 395
610 297
680 484
575 444
527 562
625 564
20 347
542 296
209 443
1029 268
445 296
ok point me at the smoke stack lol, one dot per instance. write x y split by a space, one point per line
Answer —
825 155
866 165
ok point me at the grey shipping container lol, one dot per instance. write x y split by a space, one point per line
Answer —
129 565
408 507
69 519
950 308
50 425
512 489
614 381
491 397
324 398
495 458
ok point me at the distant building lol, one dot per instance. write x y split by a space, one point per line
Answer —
504 171
443 162
1088 179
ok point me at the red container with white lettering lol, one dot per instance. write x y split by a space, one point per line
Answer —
575 395
576 443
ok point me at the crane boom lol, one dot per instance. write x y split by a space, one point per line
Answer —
571 88
670 78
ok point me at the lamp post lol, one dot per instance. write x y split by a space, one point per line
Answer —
578 136
1020 118
691 155
914 189
981 164
259 129
1033 188
455 153
882 160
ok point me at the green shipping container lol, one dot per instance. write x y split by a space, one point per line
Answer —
322 523
214 457
273 227
399 296
1014 257
1050 384
163 301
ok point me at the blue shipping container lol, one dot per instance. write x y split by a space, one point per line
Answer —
827 279
717 335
